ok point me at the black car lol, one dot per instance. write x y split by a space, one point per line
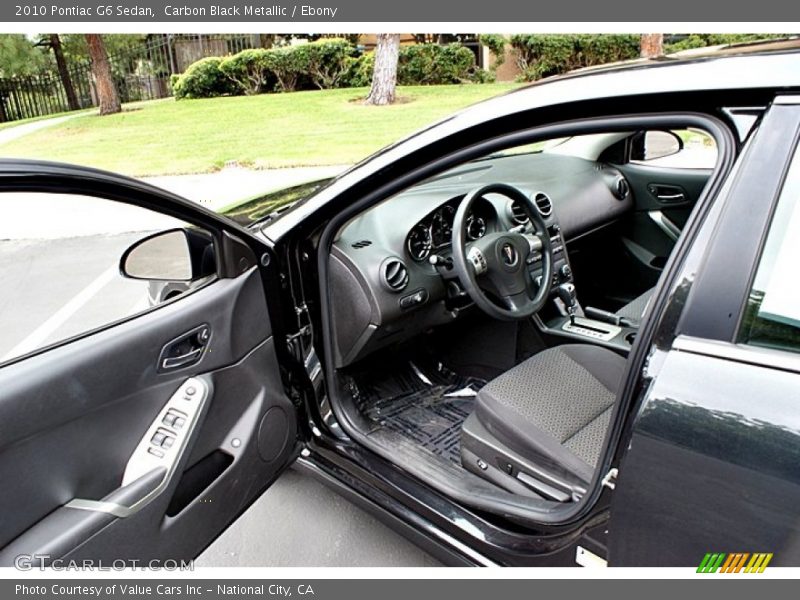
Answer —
559 327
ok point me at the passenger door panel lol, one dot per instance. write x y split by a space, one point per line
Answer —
664 197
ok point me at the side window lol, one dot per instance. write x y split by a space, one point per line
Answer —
678 149
772 315
60 263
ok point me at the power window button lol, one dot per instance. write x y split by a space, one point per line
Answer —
158 438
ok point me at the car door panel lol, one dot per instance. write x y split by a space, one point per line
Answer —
664 197
670 191
71 417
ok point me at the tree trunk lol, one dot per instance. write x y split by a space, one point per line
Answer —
63 72
107 96
651 45
384 76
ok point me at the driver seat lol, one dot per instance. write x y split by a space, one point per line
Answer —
538 429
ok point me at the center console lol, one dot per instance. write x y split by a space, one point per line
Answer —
565 317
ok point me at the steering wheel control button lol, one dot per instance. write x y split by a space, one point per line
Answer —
413 299
478 260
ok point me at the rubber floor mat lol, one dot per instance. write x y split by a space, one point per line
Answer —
427 406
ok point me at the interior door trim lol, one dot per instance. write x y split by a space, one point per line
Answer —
188 401
672 231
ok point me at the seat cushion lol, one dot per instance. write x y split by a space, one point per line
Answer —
634 310
555 407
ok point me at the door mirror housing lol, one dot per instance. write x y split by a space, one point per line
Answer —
179 255
653 144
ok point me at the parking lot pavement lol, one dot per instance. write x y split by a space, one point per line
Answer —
48 295
299 522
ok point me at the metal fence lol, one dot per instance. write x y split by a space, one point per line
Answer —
141 71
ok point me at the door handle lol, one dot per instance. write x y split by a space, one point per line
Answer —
671 197
185 350
183 360
667 194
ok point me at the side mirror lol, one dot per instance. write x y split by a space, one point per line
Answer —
650 145
166 256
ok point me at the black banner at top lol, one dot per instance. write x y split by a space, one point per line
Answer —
441 11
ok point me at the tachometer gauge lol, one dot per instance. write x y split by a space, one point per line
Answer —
442 226
476 227
419 242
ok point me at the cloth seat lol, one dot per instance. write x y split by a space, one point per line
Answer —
555 407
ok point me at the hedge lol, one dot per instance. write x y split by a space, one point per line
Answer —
204 79
432 64
544 55
250 70
325 63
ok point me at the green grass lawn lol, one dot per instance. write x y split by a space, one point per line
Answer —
328 127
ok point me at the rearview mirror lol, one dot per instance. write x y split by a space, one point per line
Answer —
654 144
163 256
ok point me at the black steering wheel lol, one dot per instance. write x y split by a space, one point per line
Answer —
494 269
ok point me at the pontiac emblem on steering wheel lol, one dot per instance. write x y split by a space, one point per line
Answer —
510 255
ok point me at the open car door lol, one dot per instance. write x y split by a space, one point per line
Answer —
137 418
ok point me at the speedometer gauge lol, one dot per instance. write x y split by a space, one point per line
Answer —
419 242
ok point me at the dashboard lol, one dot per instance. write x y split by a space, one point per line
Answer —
387 282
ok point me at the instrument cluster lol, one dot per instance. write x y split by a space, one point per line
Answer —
435 231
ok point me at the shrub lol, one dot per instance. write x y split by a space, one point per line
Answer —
544 55
203 79
432 64
249 69
358 71
325 61
287 65
496 44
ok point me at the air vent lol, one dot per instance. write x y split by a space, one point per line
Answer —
622 188
544 204
518 213
361 244
395 274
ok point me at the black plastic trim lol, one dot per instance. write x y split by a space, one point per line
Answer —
720 292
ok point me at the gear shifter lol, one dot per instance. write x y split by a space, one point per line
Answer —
566 292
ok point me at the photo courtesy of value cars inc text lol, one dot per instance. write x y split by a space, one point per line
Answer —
172 589
170 11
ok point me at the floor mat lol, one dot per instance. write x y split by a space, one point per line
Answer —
427 405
